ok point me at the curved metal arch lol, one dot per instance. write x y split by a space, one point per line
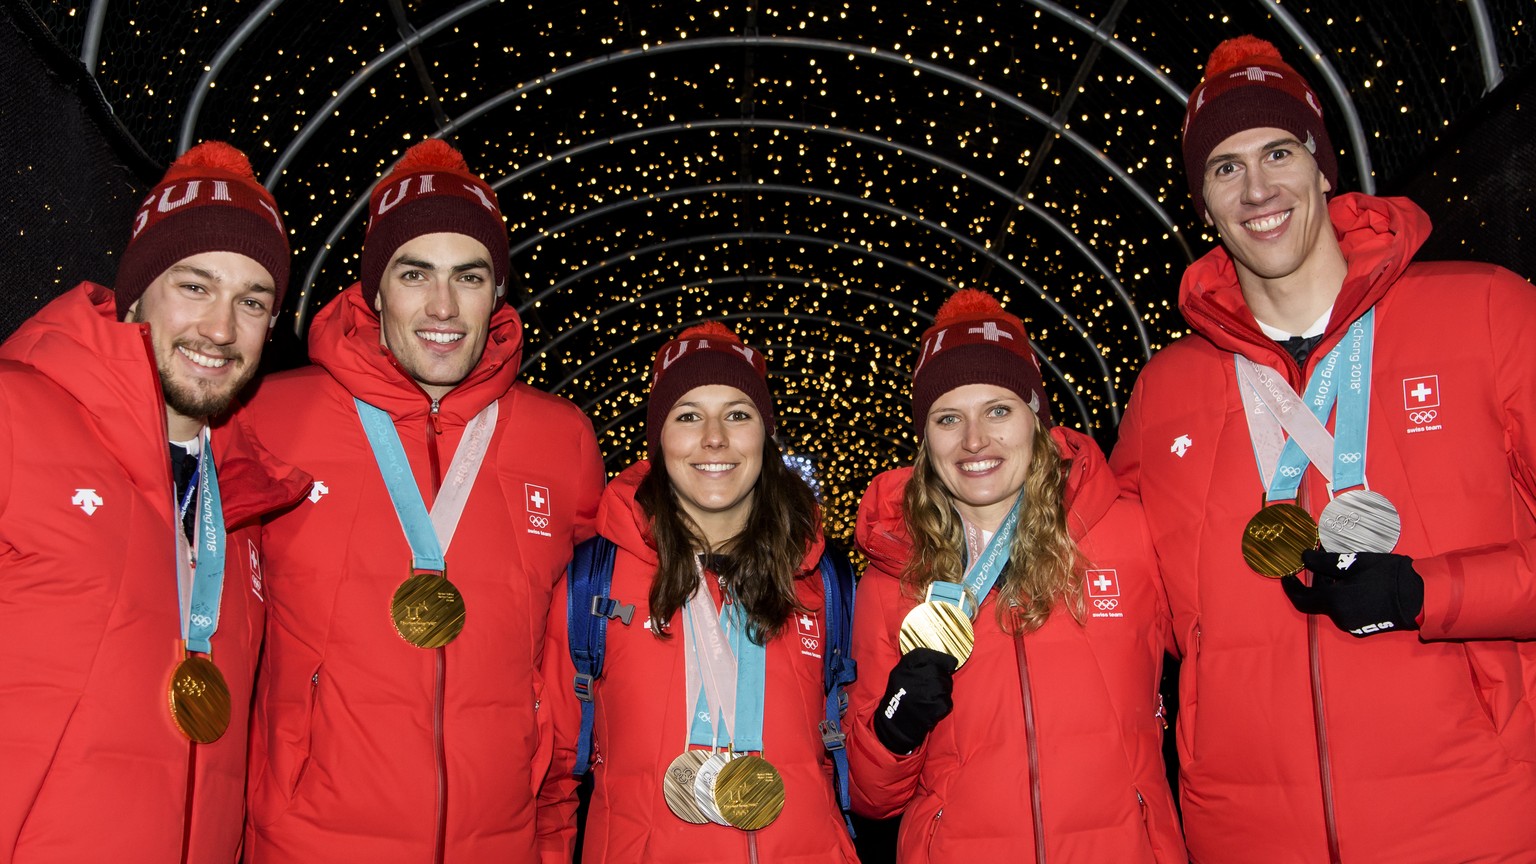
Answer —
664 246
922 155
806 43
1114 45
1335 86
216 66
857 202
724 280
358 79
1082 407
1487 48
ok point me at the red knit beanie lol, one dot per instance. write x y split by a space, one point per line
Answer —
208 201
1248 86
430 191
973 341
706 354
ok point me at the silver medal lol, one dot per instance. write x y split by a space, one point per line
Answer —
1359 521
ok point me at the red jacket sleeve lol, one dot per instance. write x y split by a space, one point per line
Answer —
882 782
556 806
1490 592
48 641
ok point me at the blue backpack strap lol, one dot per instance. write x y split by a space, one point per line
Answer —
838 667
587 610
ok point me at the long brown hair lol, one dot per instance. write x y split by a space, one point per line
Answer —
1043 561
760 563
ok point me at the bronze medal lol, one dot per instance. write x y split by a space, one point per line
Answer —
704 785
1275 537
199 700
428 611
749 793
677 786
1359 521
940 626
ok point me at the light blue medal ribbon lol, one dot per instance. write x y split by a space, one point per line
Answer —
1352 396
426 551
200 600
751 681
981 574
1354 406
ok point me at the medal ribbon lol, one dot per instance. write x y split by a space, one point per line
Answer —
429 535
981 574
200 589
718 651
1273 410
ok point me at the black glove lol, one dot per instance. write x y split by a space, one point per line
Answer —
1363 592
917 697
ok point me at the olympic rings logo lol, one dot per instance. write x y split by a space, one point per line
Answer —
538 521
1349 458
808 643
1422 417
1106 604
1265 532
1291 471
202 620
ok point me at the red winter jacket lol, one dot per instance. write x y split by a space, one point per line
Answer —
642 721
368 748
966 794
91 765
1407 747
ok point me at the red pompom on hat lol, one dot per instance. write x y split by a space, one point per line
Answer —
431 191
973 340
1248 86
708 353
208 201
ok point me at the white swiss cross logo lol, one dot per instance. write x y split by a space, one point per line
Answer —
989 331
537 499
808 625
1422 392
87 500
1104 593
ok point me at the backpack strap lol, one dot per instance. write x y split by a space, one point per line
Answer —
838 667
587 610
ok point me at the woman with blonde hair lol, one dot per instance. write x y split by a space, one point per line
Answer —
1009 630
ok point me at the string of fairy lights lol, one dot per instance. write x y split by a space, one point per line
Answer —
821 176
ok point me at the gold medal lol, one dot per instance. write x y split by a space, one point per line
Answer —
749 793
940 626
1275 537
428 611
677 786
199 700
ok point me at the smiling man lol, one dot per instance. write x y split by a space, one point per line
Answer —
1372 699
130 571
398 716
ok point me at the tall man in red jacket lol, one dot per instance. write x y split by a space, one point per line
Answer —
1371 700
398 715
131 592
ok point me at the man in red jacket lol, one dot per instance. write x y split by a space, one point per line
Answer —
131 601
1372 699
398 717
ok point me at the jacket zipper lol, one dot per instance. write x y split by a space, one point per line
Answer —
1032 742
1315 675
439 749
170 480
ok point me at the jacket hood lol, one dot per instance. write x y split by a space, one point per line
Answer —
1091 489
621 519
1379 237
344 340
120 382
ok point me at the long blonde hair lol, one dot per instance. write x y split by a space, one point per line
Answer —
1044 561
